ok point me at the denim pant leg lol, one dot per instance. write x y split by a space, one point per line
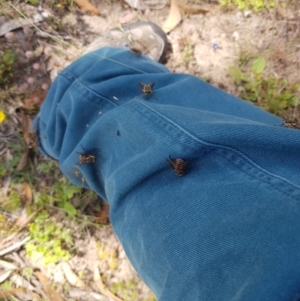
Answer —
228 229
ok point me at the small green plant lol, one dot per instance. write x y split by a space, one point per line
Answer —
61 3
126 289
59 192
7 60
2 170
6 285
14 201
46 167
187 49
272 94
256 5
151 298
33 2
27 272
49 241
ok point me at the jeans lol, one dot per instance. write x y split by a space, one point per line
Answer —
229 228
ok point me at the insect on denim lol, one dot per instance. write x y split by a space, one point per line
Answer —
229 227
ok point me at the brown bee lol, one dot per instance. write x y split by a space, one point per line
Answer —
179 165
136 51
292 125
147 89
85 158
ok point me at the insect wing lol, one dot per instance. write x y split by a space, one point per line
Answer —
146 88
151 85
136 51
85 158
141 85
170 161
179 165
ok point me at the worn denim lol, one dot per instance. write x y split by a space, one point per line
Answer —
229 228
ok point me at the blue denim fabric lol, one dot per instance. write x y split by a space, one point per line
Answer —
229 228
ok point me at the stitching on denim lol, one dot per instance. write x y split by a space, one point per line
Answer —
76 79
116 62
65 77
222 148
265 177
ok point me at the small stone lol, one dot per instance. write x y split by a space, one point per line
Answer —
30 80
247 13
45 86
29 54
36 99
36 66
236 36
47 51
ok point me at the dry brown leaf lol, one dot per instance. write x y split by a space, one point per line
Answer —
28 136
17 291
50 292
11 292
103 290
174 17
23 161
27 194
193 9
71 276
30 139
86 6
103 215
34 101
26 122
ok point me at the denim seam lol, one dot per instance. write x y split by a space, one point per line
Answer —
262 174
222 148
115 61
76 79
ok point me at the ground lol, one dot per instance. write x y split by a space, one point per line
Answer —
252 54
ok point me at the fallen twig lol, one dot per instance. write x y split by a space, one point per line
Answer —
105 291
15 246
51 293
72 278
41 31
16 291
